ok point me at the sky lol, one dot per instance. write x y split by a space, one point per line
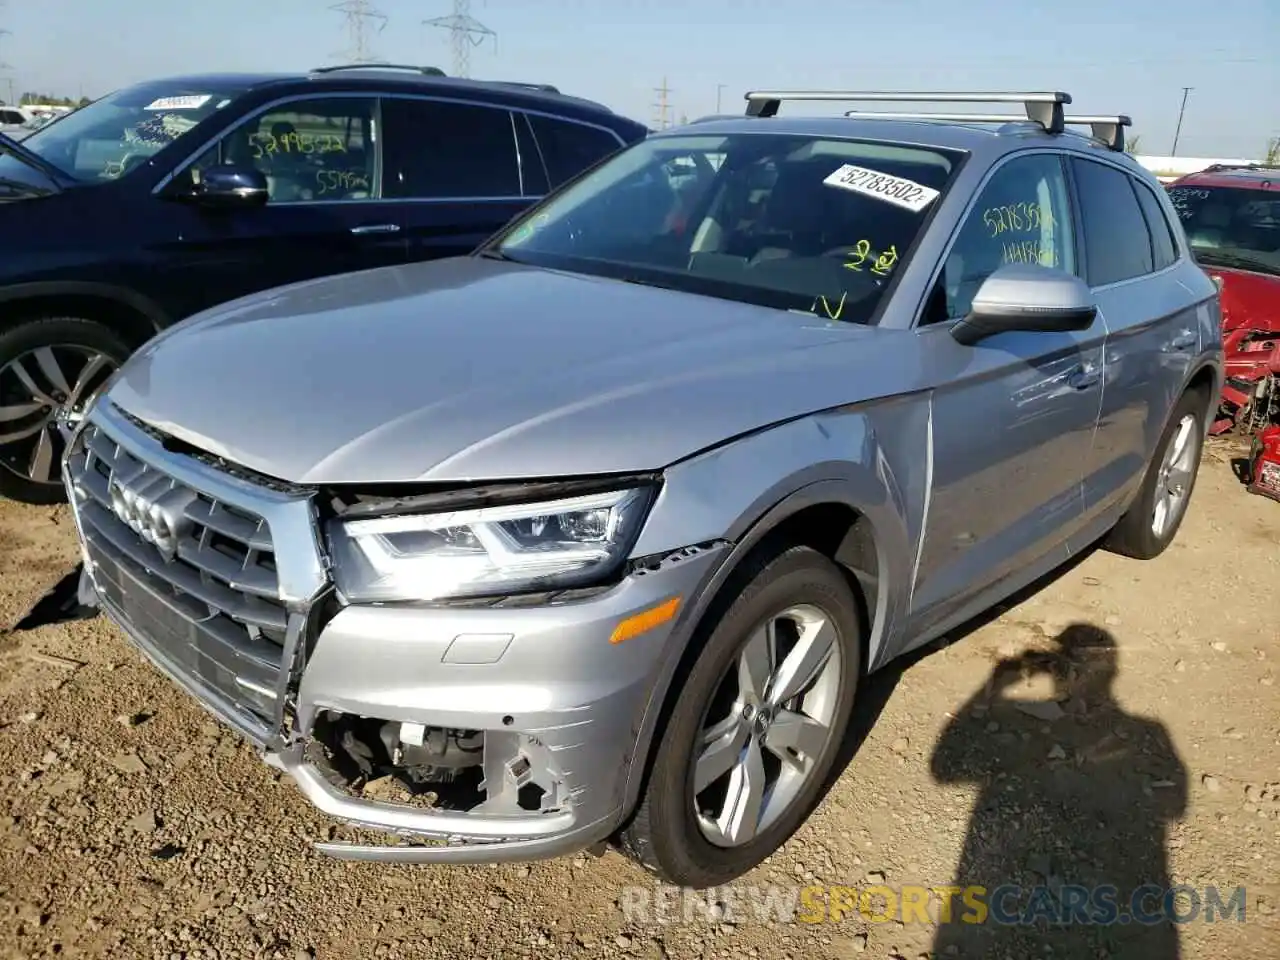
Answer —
1113 56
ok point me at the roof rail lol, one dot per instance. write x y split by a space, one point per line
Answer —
540 87
1214 167
426 71
1109 130
1044 108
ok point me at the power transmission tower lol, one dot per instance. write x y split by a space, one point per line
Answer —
4 33
662 106
4 66
465 32
362 17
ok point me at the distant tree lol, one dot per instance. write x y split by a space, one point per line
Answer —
32 97
1273 151
1131 144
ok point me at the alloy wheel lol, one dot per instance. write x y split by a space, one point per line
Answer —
42 392
1173 483
768 724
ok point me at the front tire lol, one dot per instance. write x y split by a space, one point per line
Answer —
756 726
1152 521
50 368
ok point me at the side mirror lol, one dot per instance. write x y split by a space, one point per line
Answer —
1027 297
231 186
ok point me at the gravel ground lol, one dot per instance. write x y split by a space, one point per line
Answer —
1137 738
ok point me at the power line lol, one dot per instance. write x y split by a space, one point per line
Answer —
465 32
361 17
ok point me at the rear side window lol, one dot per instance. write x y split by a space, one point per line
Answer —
1116 243
569 148
1163 248
438 150
12 116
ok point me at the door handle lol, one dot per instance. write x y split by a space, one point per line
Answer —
376 228
1185 340
1084 376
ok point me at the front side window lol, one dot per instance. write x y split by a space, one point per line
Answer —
1117 243
1231 226
309 150
437 149
1022 215
108 138
781 220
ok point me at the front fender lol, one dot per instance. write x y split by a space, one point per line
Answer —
871 458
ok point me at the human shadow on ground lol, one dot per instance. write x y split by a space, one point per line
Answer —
1075 798
71 598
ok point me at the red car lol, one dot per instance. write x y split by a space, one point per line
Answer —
1231 215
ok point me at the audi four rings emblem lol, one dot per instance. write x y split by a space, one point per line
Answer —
152 507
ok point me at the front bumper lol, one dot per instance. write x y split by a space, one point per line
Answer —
556 704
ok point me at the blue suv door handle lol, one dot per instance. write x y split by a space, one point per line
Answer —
1185 340
376 228
1084 376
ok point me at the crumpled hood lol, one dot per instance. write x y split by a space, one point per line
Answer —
469 369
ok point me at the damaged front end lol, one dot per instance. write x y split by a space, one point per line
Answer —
481 726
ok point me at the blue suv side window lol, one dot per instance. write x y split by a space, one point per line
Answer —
1022 215
437 149
568 148
309 150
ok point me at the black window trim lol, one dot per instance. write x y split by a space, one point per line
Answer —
1129 175
378 96
919 323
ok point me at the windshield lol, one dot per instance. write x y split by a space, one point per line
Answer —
106 139
1231 226
781 220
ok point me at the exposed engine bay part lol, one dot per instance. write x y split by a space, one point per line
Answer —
496 772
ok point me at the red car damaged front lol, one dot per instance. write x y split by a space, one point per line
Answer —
1231 216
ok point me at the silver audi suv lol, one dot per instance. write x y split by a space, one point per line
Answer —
593 534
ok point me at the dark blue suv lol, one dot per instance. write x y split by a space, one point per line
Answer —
168 197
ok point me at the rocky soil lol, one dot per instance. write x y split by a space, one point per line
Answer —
133 826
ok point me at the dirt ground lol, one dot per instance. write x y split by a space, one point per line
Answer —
1147 749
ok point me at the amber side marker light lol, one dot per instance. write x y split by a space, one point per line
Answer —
645 621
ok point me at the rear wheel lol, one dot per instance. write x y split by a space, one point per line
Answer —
1152 521
50 369
756 727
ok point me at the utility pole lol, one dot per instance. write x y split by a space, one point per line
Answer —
662 106
1178 130
719 90
360 16
465 32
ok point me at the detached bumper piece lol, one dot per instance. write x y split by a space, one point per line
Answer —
1264 463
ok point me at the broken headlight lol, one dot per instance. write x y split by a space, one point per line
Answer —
555 544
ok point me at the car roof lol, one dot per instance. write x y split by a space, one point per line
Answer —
1256 176
973 138
420 79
